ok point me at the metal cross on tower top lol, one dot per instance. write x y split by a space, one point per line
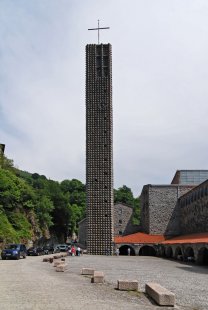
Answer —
98 29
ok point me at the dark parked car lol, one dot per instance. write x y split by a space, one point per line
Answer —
35 251
48 249
14 251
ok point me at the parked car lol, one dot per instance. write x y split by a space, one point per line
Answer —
35 251
48 249
63 247
14 251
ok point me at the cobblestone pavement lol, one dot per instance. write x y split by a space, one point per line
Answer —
30 284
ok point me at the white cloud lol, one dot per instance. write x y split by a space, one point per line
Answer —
160 73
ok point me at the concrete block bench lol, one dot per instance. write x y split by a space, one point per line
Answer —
98 277
57 256
87 271
57 263
127 285
160 294
46 259
61 267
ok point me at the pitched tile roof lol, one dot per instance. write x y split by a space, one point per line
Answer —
192 238
139 238
146 238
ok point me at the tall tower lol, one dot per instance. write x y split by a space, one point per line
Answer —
99 149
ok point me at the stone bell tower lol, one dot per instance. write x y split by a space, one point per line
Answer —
99 149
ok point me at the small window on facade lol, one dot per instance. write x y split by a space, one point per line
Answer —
99 72
105 61
120 232
98 50
98 61
106 71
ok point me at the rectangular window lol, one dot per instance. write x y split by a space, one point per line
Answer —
98 61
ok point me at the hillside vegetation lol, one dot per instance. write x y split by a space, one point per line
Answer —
34 207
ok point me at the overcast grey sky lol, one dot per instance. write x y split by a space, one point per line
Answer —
160 85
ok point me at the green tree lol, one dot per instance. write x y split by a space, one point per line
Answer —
14 192
124 195
44 207
76 214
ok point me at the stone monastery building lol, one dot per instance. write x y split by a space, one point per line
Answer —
174 219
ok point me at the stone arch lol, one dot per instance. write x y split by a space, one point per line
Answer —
147 250
169 252
124 250
178 253
202 258
189 254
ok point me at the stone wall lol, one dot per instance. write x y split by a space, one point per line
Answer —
123 220
194 210
122 223
160 208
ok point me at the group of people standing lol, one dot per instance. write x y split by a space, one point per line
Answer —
74 251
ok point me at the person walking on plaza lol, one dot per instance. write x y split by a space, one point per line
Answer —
69 251
117 252
78 251
73 251
129 251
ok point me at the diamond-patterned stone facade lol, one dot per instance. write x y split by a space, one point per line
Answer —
99 149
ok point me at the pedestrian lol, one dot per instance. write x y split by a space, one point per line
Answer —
117 252
129 251
78 251
73 251
69 251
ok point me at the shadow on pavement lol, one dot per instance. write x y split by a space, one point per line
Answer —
191 268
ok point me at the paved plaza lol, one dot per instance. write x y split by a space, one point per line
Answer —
31 284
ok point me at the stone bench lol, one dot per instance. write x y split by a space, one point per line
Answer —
98 277
57 263
127 285
61 267
46 259
87 271
57 256
160 295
